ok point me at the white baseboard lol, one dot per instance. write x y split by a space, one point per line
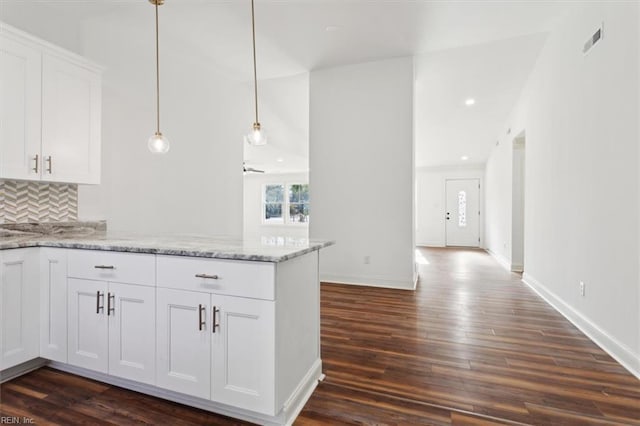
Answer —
503 261
286 416
517 267
409 284
619 351
24 368
431 244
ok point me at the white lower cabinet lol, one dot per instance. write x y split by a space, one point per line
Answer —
132 325
184 342
243 353
53 304
112 328
19 303
217 347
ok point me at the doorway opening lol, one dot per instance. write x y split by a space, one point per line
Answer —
518 203
462 224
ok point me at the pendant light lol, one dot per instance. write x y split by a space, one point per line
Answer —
257 136
158 143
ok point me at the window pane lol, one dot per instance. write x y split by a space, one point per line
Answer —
274 193
294 193
299 213
462 209
304 193
273 213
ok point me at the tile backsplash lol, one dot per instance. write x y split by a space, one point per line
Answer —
22 201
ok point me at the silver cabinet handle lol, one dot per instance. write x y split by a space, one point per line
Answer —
111 308
36 160
50 164
215 324
98 296
201 323
104 267
211 277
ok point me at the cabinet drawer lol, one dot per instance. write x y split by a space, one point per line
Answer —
228 277
131 268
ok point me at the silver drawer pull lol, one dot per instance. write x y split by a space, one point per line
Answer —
105 267
211 277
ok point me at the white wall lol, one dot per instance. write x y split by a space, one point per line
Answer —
431 201
361 171
197 186
580 114
253 187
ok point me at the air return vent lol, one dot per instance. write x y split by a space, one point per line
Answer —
595 38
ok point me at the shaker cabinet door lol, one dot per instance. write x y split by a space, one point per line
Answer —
243 353
71 111
132 332
19 303
53 304
184 342
88 325
20 110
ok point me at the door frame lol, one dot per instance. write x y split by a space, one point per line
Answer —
480 209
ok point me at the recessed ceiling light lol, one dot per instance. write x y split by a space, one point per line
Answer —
279 159
331 28
464 158
470 102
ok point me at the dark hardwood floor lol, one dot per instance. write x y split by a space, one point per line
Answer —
472 346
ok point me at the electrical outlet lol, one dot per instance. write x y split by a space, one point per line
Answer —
581 288
367 260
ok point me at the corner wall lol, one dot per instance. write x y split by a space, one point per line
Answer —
361 172
580 114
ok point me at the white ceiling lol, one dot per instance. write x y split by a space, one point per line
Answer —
463 48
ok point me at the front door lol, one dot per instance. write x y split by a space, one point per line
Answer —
463 212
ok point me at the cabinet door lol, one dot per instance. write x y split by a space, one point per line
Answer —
88 325
71 108
243 373
53 304
184 342
19 303
20 114
132 333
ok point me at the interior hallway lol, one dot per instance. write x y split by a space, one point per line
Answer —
472 338
473 345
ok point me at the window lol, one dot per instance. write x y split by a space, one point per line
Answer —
274 203
279 209
298 203
462 209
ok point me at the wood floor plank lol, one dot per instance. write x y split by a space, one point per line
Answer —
471 346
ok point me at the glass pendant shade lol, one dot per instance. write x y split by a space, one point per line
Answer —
158 144
257 136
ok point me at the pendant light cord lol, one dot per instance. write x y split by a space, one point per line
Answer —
157 71
255 72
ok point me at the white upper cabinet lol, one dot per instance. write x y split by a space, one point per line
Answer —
50 112
20 109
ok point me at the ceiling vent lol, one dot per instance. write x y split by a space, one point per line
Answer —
595 38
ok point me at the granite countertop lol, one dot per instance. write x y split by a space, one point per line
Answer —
84 235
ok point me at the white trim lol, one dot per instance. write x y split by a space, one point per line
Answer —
49 48
517 267
20 369
503 261
286 416
453 167
619 351
439 244
409 284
